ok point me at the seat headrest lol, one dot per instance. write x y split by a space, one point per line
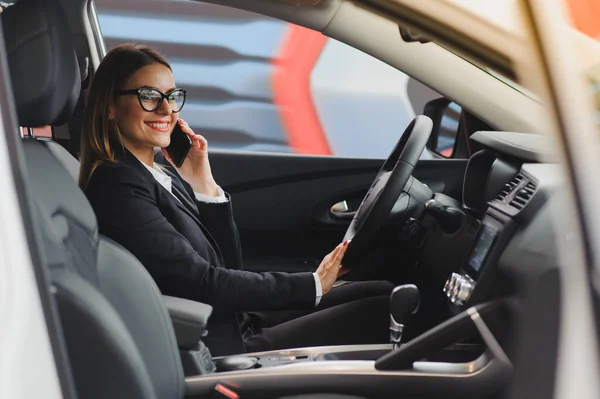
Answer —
42 62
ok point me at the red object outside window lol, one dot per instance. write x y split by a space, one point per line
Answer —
585 15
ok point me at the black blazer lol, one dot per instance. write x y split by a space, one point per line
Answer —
191 248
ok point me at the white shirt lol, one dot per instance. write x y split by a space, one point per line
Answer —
165 180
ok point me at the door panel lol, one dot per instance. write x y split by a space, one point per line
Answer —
280 201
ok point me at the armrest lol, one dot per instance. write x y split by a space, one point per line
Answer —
189 320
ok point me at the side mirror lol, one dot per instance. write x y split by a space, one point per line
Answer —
445 115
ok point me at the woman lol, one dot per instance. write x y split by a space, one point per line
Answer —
179 223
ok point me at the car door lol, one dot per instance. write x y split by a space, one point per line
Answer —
298 123
31 344
285 204
560 76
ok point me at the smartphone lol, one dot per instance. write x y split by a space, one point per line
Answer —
180 145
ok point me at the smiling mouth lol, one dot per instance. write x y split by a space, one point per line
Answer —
159 126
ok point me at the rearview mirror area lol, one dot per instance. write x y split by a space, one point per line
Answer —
445 115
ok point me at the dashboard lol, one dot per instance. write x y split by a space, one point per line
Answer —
507 184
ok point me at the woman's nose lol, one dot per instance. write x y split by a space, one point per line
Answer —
165 108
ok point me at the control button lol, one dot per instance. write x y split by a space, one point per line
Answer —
451 282
447 285
458 288
455 288
455 284
464 292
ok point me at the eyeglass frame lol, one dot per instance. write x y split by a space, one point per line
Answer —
163 96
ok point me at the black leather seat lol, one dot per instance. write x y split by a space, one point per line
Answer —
70 163
119 336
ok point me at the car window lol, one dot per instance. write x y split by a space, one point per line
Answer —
260 84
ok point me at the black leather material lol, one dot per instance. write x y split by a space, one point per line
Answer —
132 292
43 66
104 358
103 355
189 320
119 336
67 160
111 310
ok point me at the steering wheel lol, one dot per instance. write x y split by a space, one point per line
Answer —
386 189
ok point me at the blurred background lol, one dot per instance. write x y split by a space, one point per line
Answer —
259 84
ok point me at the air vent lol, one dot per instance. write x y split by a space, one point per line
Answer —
523 196
509 187
517 194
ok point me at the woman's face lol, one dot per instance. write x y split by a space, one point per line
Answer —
142 130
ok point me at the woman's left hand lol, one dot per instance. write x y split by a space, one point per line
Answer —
195 170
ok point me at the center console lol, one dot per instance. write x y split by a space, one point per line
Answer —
497 191
432 364
459 286
278 358
474 281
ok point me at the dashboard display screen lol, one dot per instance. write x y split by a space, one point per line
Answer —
487 235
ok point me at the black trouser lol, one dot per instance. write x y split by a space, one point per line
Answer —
352 313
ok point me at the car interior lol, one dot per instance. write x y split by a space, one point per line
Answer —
468 241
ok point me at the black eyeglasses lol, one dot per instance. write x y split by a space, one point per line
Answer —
151 99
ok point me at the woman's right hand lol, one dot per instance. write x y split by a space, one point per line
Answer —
331 268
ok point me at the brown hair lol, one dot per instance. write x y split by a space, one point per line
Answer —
99 134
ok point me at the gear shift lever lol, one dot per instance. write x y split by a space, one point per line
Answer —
404 301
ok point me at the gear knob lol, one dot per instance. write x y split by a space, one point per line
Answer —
404 301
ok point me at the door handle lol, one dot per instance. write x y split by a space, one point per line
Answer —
339 211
